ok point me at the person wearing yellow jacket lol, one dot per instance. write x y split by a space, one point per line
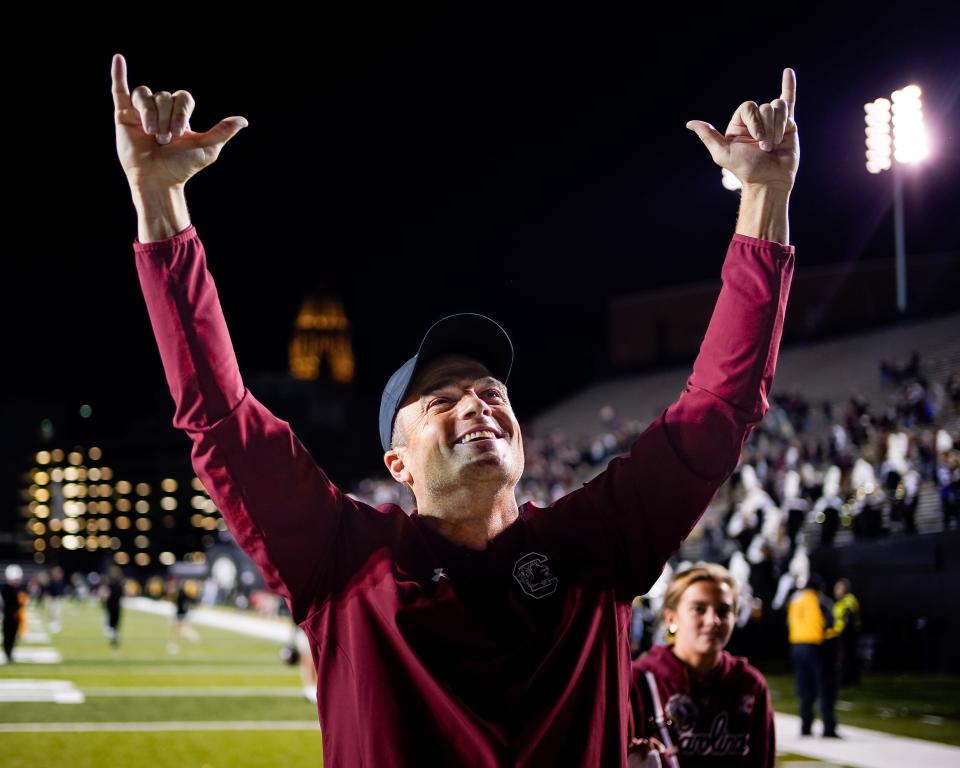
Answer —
810 625
846 626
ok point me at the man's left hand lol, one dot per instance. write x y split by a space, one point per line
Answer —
760 145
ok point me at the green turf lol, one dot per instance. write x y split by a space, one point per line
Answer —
890 703
130 709
221 659
261 749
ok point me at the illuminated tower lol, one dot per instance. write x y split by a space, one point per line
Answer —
321 341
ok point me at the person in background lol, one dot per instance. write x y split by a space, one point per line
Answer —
111 593
810 624
718 705
14 599
183 593
846 626
57 588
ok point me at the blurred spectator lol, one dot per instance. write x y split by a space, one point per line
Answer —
14 601
846 627
111 593
948 479
810 624
58 587
183 592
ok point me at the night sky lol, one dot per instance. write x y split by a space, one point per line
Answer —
527 169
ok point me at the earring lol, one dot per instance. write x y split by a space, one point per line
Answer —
672 629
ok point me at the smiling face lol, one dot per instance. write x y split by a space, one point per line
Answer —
456 428
704 617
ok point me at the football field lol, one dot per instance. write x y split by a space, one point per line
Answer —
226 701
229 700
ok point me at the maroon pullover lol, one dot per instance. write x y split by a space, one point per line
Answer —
429 653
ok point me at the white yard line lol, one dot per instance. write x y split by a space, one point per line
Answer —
34 655
204 692
173 725
56 691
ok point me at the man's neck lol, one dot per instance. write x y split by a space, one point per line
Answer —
470 518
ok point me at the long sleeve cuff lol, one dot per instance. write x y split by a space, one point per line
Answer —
170 242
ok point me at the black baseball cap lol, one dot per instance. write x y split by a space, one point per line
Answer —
468 334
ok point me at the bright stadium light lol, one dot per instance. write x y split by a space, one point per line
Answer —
877 117
895 131
729 180
909 136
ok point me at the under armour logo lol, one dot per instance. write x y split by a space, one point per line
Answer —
439 573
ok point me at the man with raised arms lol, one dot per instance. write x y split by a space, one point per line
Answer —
473 631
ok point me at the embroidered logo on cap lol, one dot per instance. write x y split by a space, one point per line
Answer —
533 574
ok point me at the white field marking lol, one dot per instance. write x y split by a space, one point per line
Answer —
192 692
57 691
35 656
177 725
36 631
863 748
244 662
278 630
237 669
932 720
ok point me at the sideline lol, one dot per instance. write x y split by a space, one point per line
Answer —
278 630
863 748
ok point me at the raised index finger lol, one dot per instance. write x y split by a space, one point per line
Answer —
788 91
120 89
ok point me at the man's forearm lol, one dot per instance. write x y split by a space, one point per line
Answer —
161 213
763 213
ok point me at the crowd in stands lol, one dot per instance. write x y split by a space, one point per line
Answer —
858 464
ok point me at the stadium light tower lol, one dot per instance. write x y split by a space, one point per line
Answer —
729 180
906 144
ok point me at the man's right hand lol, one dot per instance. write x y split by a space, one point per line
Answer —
157 149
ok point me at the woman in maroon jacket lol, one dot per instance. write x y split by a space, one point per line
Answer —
716 707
